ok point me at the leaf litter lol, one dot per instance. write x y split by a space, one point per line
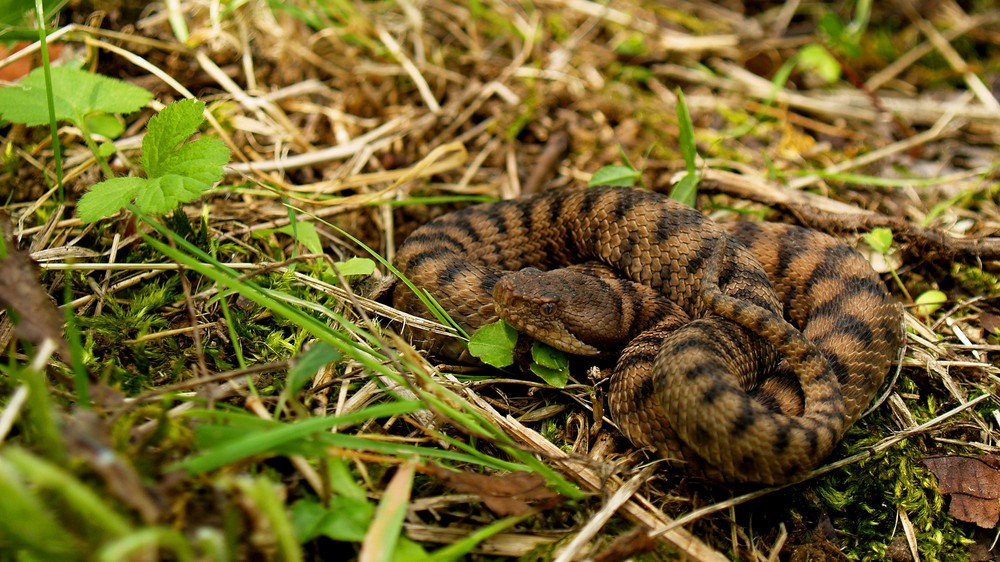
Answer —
375 118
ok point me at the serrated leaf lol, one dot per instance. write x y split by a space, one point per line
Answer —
201 159
105 198
76 94
614 175
493 344
175 172
165 133
160 195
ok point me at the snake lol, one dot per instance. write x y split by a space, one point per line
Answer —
746 350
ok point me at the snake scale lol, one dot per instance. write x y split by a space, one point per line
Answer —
748 349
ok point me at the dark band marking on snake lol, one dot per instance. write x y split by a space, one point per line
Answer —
710 373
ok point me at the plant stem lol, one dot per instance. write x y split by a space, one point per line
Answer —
89 139
53 125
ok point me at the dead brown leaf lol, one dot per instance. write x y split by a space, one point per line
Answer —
507 494
973 484
38 318
990 322
635 542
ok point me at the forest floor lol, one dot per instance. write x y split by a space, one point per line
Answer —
225 389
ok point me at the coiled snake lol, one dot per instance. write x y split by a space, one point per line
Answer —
712 374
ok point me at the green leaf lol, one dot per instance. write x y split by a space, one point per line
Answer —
818 59
615 175
347 519
929 301
106 149
105 198
493 344
843 37
77 94
15 12
105 125
176 173
550 364
342 480
306 365
548 356
162 194
633 45
686 190
685 137
304 233
163 153
355 266
409 551
879 239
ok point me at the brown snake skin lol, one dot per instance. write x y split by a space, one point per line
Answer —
717 379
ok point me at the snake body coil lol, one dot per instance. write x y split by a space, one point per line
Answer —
717 378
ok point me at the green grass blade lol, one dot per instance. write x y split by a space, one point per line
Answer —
259 442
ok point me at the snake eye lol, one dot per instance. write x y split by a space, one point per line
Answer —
549 307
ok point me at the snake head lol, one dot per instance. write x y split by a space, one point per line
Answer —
564 308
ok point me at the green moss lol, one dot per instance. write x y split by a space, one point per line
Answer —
864 499
975 280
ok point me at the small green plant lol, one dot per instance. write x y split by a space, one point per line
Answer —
177 171
86 100
624 175
627 175
838 39
686 190
880 240
494 345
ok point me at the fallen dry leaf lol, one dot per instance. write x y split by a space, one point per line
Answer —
990 322
38 318
508 494
635 542
973 483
